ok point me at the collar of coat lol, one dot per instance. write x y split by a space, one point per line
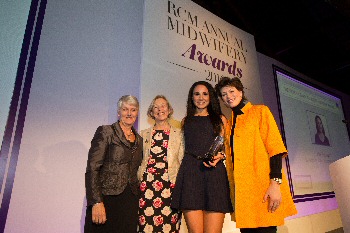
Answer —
119 132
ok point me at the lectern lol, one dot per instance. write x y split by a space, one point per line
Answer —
340 175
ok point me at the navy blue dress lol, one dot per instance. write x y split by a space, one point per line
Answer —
198 187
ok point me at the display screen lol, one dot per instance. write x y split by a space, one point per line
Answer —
312 123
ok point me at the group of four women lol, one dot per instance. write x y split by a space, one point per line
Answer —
144 183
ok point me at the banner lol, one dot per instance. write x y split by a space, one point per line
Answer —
184 43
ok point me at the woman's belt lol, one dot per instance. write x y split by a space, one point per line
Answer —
206 158
195 156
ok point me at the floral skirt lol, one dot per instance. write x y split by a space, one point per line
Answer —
155 214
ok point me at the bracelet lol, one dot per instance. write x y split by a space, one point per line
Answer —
278 180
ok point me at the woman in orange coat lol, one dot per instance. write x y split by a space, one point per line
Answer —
259 188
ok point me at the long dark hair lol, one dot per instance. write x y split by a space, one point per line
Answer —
214 108
319 127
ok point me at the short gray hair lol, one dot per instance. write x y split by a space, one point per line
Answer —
128 99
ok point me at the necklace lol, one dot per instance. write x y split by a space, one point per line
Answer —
128 135
125 131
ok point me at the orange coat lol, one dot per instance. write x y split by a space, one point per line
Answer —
256 139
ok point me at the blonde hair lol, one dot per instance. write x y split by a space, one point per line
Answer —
150 108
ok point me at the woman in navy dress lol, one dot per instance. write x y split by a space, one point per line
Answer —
202 190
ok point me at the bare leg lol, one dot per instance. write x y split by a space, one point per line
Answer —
213 222
194 220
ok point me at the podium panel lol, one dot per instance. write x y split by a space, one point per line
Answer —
340 175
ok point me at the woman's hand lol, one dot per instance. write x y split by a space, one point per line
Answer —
99 213
217 158
273 195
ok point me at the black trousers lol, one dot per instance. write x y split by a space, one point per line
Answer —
272 229
121 212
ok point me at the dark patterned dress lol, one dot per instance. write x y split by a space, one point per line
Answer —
155 214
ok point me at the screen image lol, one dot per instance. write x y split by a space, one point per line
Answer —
319 133
314 133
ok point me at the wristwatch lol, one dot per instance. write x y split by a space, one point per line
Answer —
278 180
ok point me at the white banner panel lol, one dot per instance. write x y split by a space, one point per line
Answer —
184 43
